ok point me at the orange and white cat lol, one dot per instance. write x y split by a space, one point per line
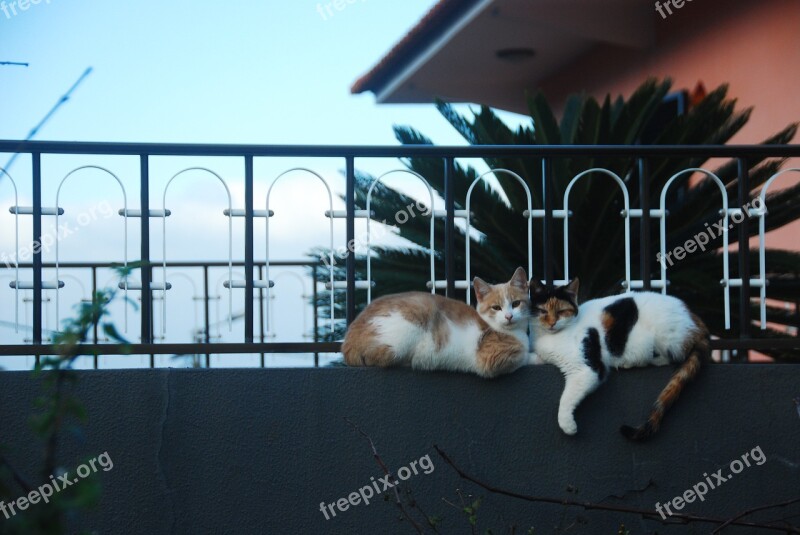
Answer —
429 332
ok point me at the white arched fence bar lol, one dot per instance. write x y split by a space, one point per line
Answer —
303 296
164 285
726 281
761 212
626 214
59 284
28 285
466 214
135 284
431 253
195 296
468 217
267 284
224 282
79 283
16 282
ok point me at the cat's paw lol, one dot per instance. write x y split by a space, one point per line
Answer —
534 359
567 424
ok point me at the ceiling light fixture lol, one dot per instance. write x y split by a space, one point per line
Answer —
515 55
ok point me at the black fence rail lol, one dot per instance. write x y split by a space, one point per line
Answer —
203 337
253 341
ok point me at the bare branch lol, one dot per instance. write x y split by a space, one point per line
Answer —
386 471
753 510
16 474
644 513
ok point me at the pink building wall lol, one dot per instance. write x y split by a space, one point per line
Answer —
753 46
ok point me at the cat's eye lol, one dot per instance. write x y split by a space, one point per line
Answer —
565 312
541 311
515 304
497 307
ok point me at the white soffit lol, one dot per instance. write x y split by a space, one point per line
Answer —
463 64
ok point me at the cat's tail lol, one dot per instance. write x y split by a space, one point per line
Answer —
698 353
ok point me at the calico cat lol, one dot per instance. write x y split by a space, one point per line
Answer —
430 332
620 331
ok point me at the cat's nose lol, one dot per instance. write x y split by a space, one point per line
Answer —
509 316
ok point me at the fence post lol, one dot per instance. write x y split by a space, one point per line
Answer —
248 249
744 258
547 193
450 228
644 224
146 269
350 262
36 158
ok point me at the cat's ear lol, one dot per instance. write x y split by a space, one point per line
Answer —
535 285
573 287
481 288
519 280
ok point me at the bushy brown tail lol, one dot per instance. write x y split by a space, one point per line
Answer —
699 352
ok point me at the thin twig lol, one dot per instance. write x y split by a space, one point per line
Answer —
415 505
650 483
754 510
386 471
474 528
51 444
16 474
676 518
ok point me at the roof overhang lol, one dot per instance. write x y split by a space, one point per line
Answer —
492 51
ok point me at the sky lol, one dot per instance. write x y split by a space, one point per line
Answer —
205 72
264 72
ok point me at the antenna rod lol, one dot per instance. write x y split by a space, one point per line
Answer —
65 97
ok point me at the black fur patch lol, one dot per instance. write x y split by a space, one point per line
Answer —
542 296
593 354
624 314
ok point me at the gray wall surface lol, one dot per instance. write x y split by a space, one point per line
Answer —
256 451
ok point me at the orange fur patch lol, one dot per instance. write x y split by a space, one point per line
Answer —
499 353
361 346
607 320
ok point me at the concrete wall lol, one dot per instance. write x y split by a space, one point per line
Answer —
256 451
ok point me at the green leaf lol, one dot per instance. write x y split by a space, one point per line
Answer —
545 126
111 331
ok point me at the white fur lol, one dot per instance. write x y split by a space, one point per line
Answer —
663 325
509 319
416 347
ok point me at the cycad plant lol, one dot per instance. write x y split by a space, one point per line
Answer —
499 236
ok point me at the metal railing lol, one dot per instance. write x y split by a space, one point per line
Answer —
204 293
549 214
